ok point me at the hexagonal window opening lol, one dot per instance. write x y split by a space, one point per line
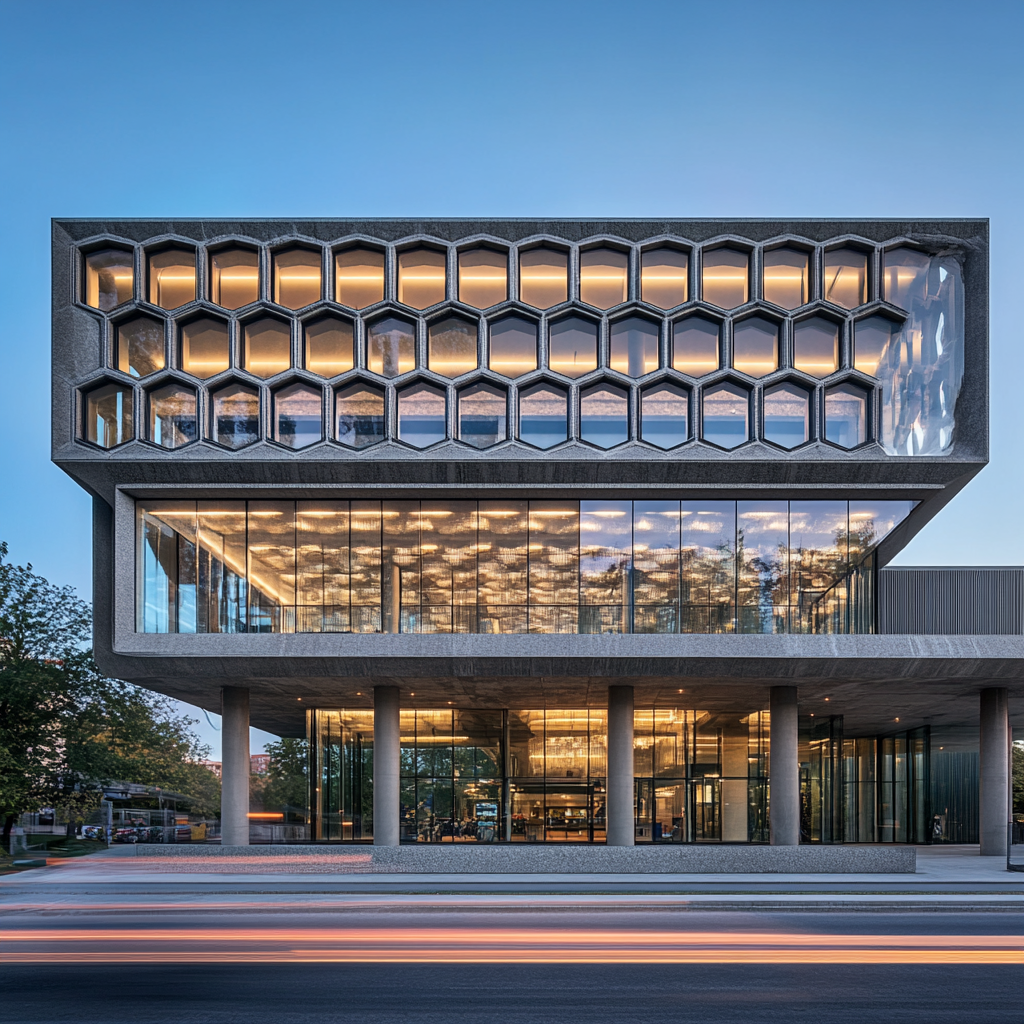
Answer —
905 277
358 277
846 278
604 277
297 415
664 277
421 277
359 415
726 415
139 346
172 278
234 277
328 346
391 347
696 346
109 278
725 278
205 347
543 277
875 343
572 346
816 346
266 347
512 348
846 416
787 415
452 347
107 412
604 416
785 277
634 346
483 415
483 277
421 415
755 346
172 421
665 415
235 415
297 277
543 416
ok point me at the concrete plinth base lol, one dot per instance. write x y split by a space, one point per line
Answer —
528 859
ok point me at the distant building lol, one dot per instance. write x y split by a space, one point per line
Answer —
214 766
259 764
547 531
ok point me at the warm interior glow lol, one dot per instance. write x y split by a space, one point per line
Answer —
513 346
543 277
172 278
664 277
604 277
452 347
724 278
268 347
329 347
846 278
234 278
358 278
204 348
421 278
483 277
572 347
755 347
816 346
785 277
109 278
695 346
297 278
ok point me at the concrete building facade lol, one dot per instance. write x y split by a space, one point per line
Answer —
549 531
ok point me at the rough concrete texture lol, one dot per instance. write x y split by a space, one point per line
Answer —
527 859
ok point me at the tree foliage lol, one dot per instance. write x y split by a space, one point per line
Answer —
65 729
284 787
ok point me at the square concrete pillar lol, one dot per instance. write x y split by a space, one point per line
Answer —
994 764
621 818
387 753
784 768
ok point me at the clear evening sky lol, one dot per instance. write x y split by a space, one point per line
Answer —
250 109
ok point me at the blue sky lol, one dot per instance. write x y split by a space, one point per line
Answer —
527 109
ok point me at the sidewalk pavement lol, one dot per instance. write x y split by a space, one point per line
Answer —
946 878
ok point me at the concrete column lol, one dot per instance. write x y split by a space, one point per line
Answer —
994 764
784 769
234 770
387 753
621 824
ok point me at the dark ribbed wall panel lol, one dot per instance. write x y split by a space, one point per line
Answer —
951 601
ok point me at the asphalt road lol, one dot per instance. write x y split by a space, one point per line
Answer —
198 963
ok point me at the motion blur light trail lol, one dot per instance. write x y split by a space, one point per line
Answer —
493 945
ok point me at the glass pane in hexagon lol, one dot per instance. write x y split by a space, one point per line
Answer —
108 415
873 339
140 346
482 415
297 415
267 347
543 416
297 278
109 278
358 278
604 416
421 415
172 416
785 277
421 277
572 346
604 277
664 415
726 415
359 415
695 346
235 414
664 277
787 415
724 278
172 278
234 278
451 347
483 277
513 346
755 346
543 277
205 347
846 278
329 346
634 346
391 347
816 346
905 277
846 416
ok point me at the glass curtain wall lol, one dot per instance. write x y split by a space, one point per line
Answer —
611 566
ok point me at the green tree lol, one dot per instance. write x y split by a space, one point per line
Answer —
65 729
284 787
